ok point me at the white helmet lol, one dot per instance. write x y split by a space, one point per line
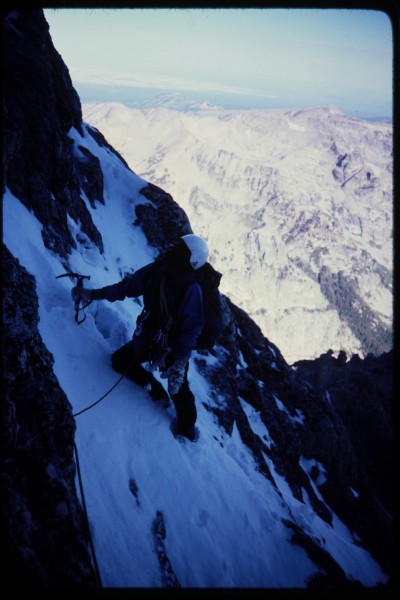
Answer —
198 250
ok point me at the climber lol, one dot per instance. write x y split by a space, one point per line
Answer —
168 327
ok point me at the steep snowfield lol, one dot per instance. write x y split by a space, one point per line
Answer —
278 194
204 507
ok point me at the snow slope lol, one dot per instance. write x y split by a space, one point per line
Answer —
205 506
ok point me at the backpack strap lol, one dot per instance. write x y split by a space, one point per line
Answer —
166 319
163 298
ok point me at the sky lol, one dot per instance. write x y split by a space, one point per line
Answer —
243 58
222 518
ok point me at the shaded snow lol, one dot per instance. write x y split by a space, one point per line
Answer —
222 518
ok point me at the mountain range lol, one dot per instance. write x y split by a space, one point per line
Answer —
296 206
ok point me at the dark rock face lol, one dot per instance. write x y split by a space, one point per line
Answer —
43 527
163 221
361 393
302 422
40 107
44 539
43 524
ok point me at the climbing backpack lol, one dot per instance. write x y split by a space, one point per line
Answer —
215 313
156 319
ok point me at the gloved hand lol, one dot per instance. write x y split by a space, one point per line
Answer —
175 375
81 293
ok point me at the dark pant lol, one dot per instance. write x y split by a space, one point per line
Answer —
126 361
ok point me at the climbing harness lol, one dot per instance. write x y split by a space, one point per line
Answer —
79 283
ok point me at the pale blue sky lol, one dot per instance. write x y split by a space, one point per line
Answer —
265 57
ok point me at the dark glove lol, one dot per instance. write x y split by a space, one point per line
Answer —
175 375
82 294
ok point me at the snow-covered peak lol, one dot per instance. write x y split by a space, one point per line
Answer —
177 102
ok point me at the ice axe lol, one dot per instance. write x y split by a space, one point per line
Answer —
79 283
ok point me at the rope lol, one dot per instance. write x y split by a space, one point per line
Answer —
124 374
163 307
104 395
78 309
96 566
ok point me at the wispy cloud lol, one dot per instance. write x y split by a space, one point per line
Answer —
145 80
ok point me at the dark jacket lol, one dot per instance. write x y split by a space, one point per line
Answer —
184 300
